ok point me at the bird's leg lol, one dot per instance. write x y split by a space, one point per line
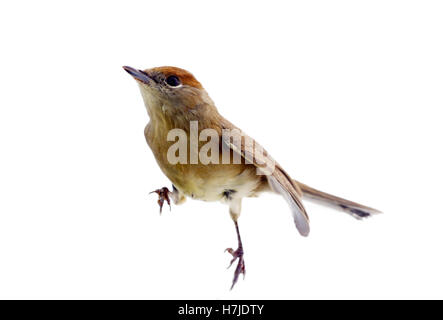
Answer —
163 195
237 255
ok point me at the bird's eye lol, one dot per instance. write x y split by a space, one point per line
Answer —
173 81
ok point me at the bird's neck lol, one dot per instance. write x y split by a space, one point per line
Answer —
166 118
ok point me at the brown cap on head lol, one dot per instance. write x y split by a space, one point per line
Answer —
185 77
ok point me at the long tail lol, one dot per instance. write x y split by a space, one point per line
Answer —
356 210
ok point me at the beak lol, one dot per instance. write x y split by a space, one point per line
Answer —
138 74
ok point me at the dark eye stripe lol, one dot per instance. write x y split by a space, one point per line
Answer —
173 81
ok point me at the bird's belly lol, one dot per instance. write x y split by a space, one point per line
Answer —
211 182
216 182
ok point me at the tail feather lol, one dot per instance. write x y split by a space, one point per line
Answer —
356 210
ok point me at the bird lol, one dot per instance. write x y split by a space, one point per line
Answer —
177 102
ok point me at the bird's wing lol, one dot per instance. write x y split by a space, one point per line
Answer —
278 179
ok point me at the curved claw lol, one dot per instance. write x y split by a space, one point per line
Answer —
163 194
232 252
240 269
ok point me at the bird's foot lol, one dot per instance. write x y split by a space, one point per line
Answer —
163 195
240 269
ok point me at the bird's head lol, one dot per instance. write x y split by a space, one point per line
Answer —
171 91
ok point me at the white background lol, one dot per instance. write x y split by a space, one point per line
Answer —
346 95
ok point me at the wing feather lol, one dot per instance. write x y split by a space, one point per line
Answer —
278 179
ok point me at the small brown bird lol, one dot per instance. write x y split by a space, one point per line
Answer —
175 100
